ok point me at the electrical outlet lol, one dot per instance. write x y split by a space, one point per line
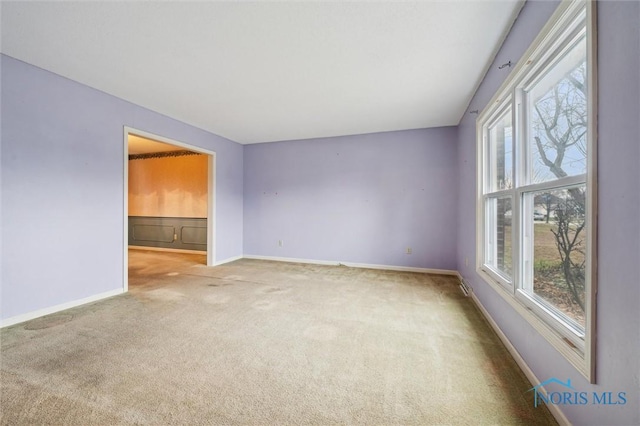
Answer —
408 250
279 243
466 261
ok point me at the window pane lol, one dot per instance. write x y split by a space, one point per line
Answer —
559 244
498 251
558 118
501 153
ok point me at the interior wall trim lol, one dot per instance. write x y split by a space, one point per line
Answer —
556 412
171 250
354 265
57 308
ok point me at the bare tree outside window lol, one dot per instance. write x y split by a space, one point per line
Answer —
559 139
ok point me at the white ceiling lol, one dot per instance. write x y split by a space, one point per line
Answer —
266 71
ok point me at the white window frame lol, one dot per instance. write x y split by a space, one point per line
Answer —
577 347
499 110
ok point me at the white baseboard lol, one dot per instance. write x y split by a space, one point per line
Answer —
353 265
57 308
554 409
228 260
291 260
400 268
171 250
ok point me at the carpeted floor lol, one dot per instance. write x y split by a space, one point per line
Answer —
264 343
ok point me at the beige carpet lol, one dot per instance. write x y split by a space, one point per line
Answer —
268 343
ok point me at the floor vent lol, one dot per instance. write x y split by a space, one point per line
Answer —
465 287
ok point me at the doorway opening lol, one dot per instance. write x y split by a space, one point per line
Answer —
169 196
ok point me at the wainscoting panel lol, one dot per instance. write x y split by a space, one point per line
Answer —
168 232
194 235
153 233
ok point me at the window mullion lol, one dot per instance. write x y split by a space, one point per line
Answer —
518 176
526 243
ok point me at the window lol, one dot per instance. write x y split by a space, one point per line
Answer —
536 164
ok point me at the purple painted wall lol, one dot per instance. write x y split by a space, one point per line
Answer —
62 187
361 199
618 334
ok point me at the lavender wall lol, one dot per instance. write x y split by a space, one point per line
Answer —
618 339
361 199
62 187
354 199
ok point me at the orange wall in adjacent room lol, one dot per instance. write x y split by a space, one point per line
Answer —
168 186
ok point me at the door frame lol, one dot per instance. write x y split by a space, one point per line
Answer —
211 194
